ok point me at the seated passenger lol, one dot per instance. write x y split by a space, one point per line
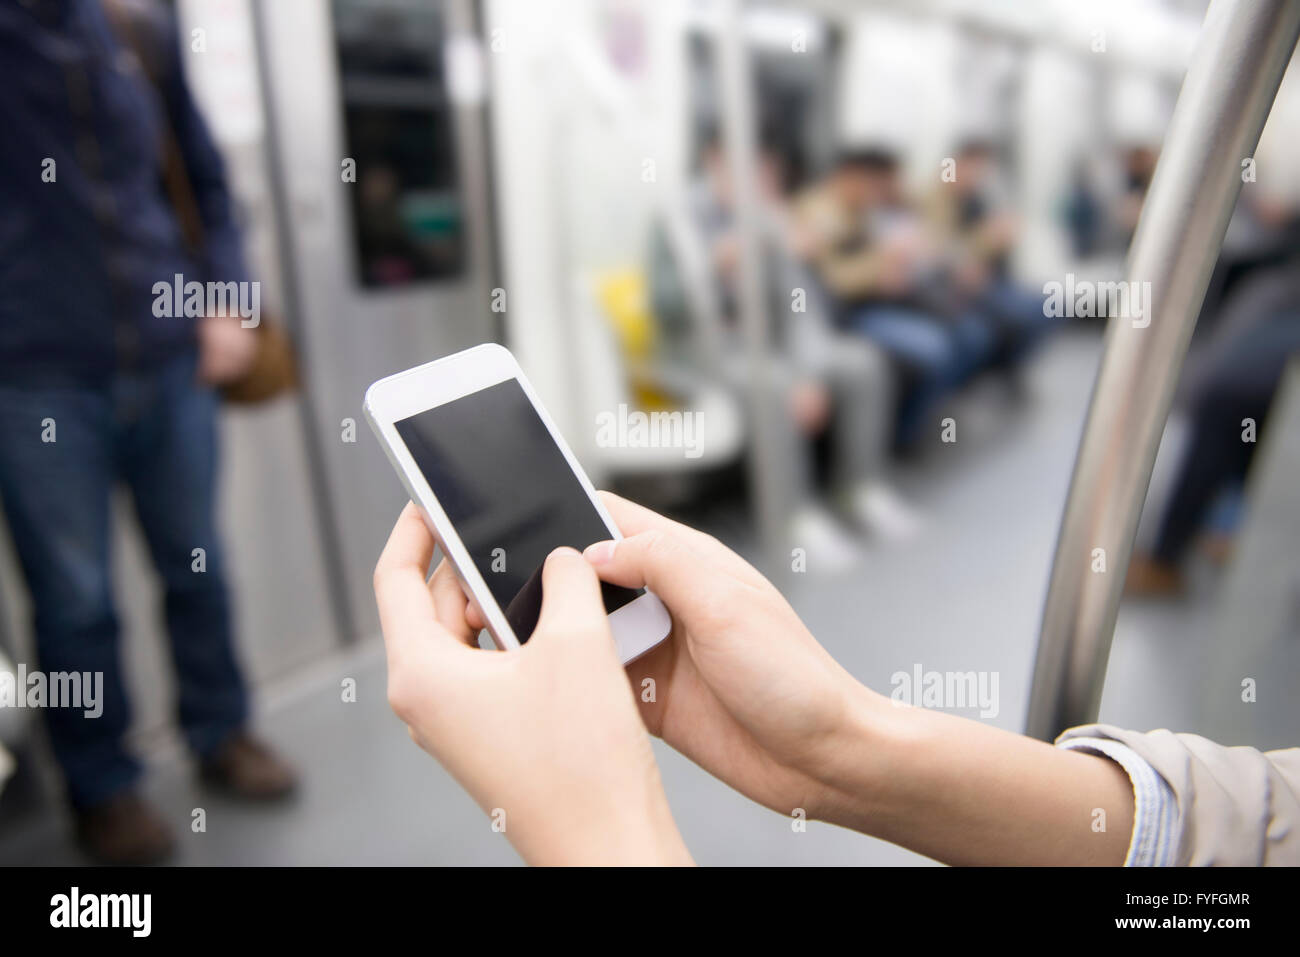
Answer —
823 382
971 219
871 254
1232 378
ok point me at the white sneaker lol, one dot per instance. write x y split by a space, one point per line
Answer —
882 512
827 544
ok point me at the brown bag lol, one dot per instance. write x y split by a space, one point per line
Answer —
275 366
274 369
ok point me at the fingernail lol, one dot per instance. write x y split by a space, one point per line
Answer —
599 553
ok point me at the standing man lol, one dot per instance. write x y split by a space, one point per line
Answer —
96 389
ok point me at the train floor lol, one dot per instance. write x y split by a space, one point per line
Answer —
965 595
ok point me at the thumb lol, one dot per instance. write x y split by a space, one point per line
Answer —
571 598
658 560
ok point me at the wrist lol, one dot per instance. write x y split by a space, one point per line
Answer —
631 828
643 832
863 756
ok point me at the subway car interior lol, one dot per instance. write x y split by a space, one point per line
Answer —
643 200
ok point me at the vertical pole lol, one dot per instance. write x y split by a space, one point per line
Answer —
287 252
739 136
1235 70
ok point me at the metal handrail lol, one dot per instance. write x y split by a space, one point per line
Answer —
1238 63
739 133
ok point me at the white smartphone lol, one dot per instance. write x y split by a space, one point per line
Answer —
500 490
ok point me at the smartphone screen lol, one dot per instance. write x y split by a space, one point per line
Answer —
509 491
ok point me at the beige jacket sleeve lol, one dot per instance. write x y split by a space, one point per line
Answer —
1236 805
849 274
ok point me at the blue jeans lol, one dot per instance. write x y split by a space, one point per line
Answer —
936 356
156 433
1017 317
1240 382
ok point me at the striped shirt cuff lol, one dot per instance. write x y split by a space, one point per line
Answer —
1155 811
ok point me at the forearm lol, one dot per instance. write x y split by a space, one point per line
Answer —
966 793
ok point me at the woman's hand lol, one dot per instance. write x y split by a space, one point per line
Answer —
741 687
746 692
549 735
547 738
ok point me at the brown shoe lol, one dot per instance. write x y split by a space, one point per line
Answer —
1217 547
125 829
247 768
1152 578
